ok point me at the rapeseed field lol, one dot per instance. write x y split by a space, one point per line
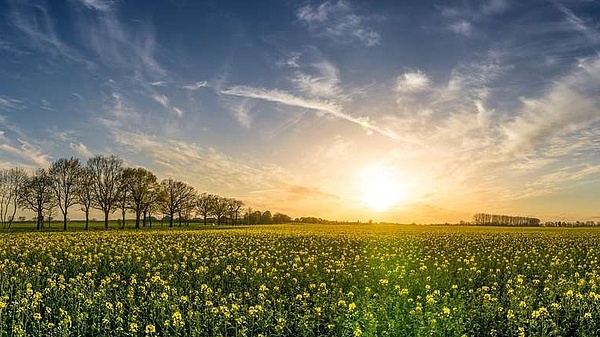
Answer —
302 280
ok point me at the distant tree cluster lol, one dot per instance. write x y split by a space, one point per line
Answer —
484 219
578 223
103 183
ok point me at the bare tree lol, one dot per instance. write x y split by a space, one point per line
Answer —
143 187
204 204
123 198
11 182
105 173
65 174
236 206
83 193
219 208
36 195
176 193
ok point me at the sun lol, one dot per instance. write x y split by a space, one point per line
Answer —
382 188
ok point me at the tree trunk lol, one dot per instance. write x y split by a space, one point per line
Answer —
218 220
105 219
204 219
179 218
171 219
137 219
87 219
65 221
40 219
123 216
144 219
150 218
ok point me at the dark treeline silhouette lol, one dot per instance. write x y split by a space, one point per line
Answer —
578 223
484 219
104 184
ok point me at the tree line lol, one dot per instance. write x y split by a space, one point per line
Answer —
484 219
105 184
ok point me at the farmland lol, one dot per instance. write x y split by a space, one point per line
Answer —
302 280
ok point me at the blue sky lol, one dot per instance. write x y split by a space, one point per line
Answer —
464 107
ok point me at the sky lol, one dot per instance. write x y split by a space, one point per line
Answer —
311 108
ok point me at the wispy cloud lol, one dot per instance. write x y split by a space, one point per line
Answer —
33 21
82 150
164 101
242 114
463 19
99 5
158 83
130 47
338 20
324 82
196 85
580 24
278 96
461 27
24 152
9 103
412 81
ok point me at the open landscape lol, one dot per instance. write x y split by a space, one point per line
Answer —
300 168
302 280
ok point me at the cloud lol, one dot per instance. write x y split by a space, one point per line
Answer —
189 161
463 20
279 96
9 103
546 184
129 47
164 101
33 21
412 82
579 24
325 83
99 5
196 85
82 150
25 152
461 27
158 83
241 114
339 21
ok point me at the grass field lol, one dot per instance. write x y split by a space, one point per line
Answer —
302 280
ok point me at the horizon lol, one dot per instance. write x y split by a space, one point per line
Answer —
342 110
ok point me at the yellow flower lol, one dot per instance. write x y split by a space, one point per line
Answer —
150 329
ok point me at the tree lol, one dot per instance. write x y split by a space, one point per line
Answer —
266 217
281 218
105 173
36 195
123 197
64 174
176 193
204 204
219 208
11 183
143 187
233 207
83 193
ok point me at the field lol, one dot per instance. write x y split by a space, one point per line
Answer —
302 280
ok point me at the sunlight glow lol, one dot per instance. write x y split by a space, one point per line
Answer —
382 188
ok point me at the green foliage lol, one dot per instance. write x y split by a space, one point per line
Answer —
302 280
